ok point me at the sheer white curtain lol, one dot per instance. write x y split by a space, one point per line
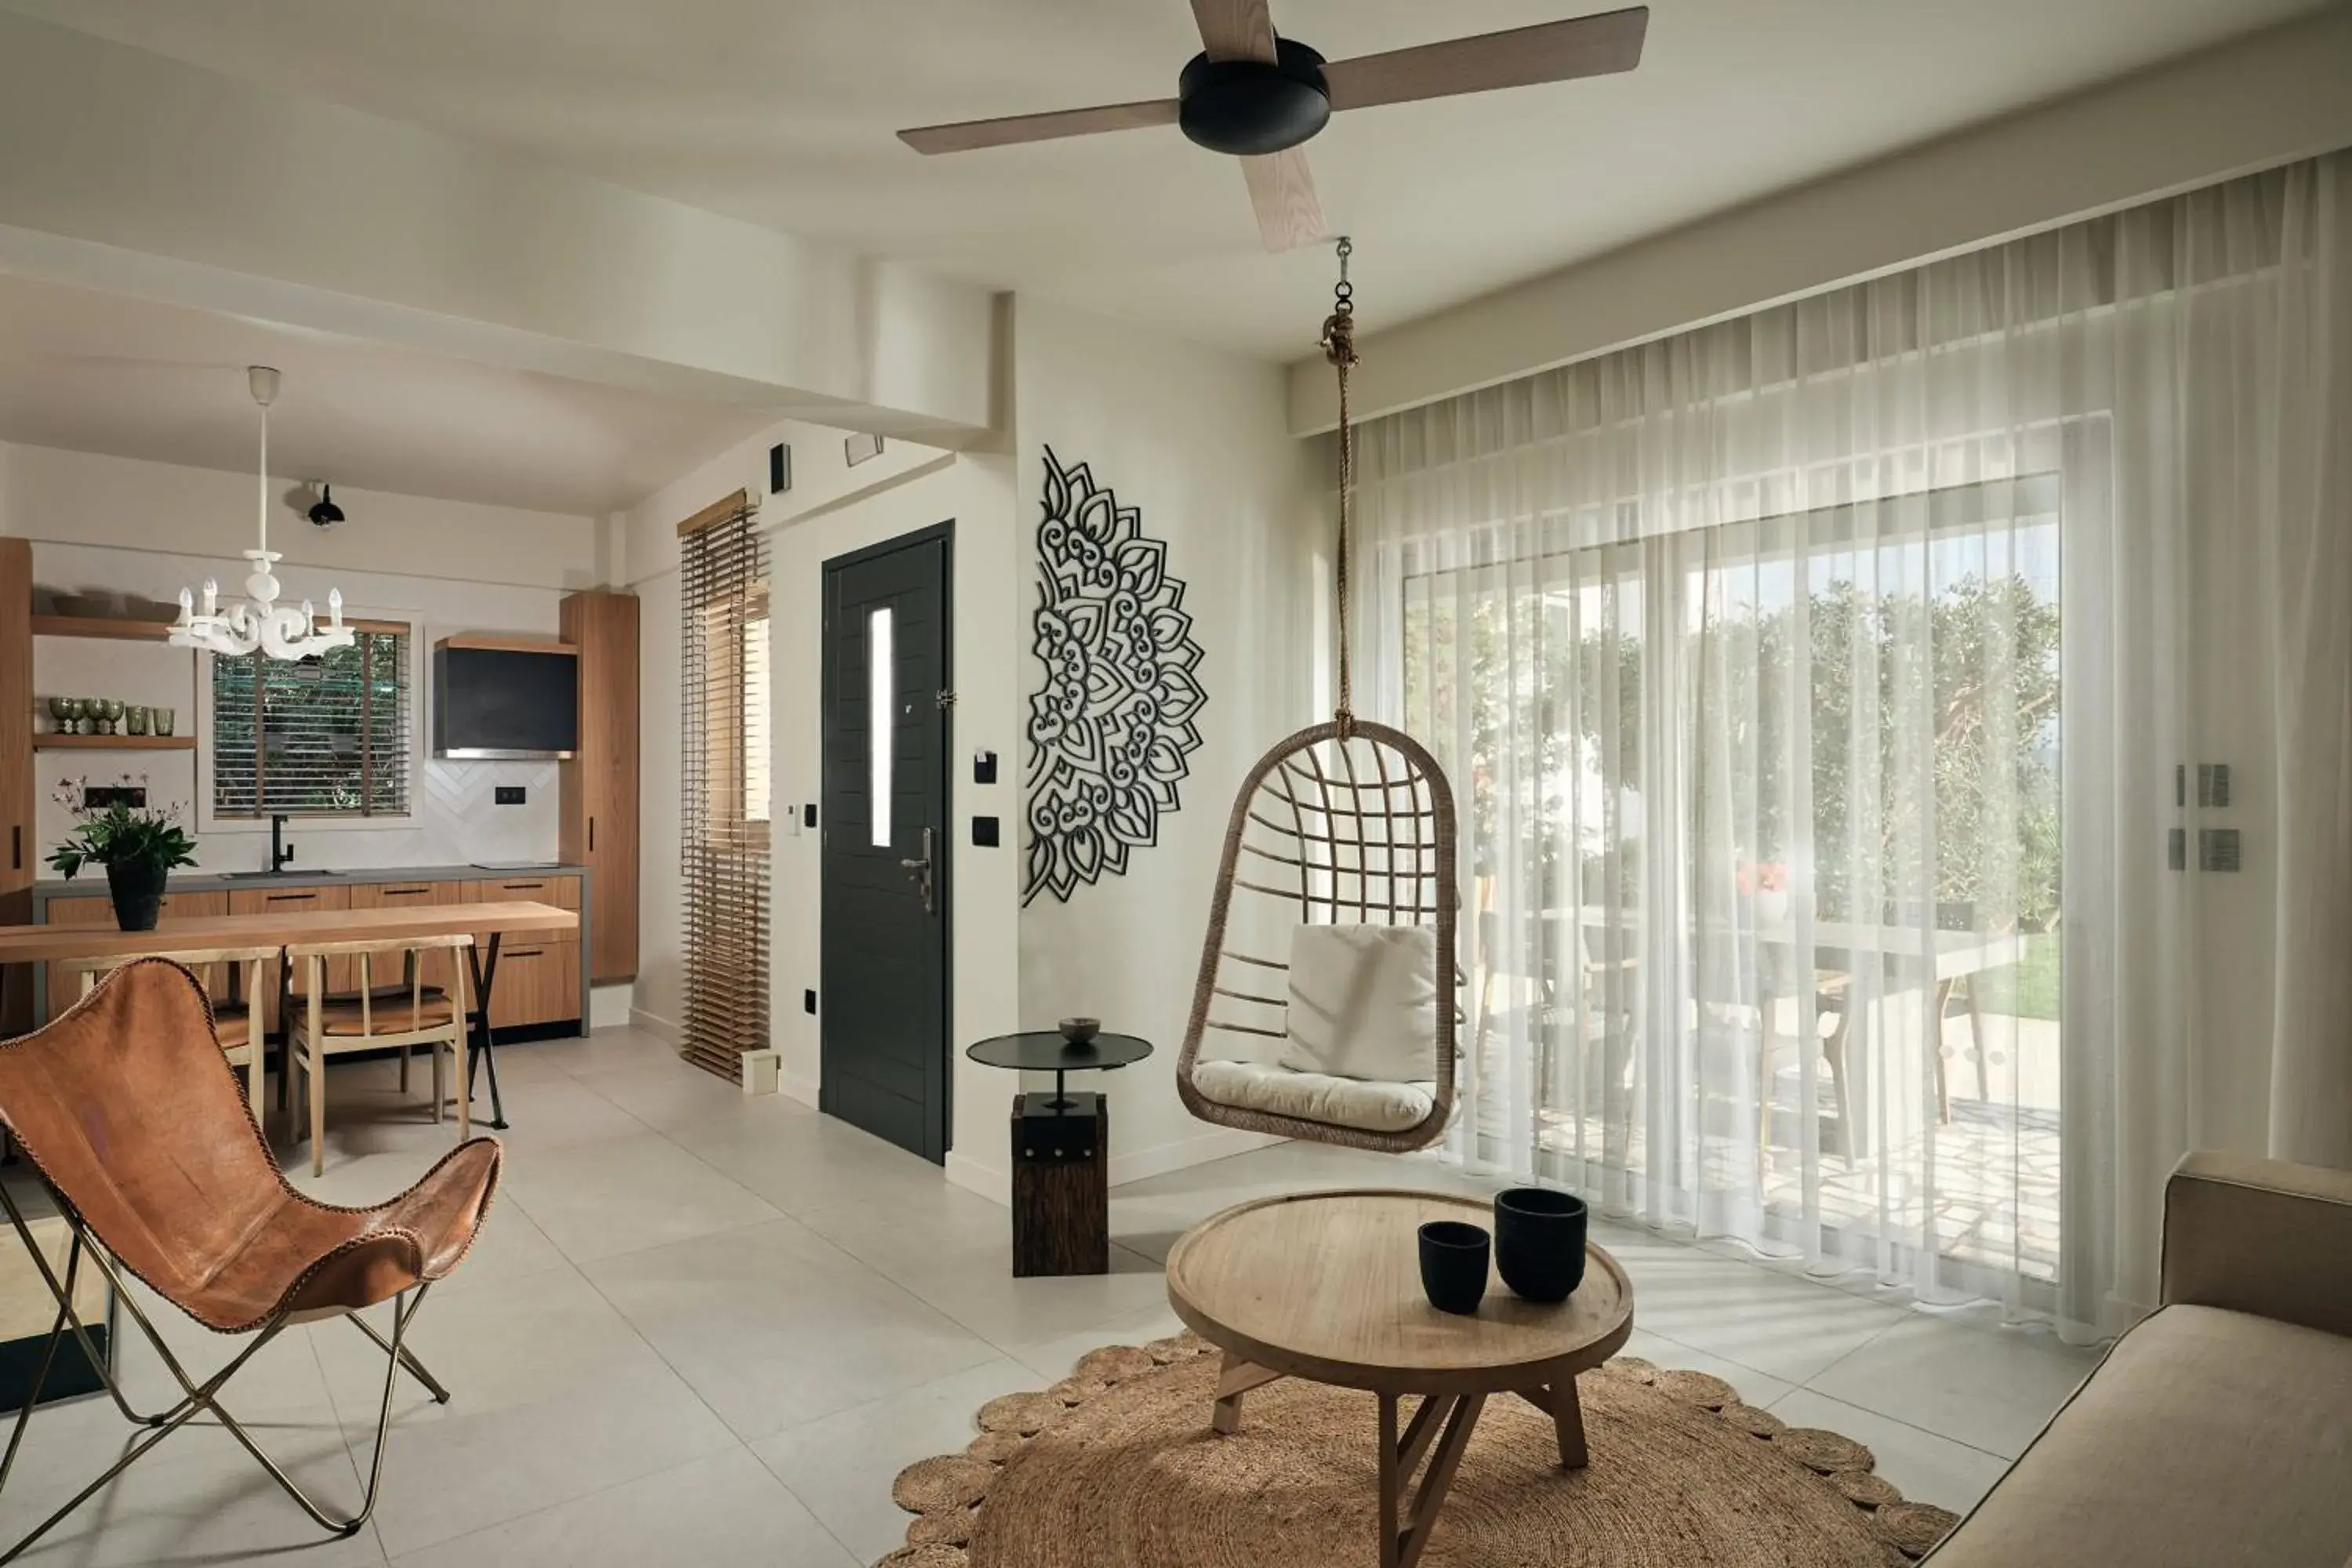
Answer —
1834 696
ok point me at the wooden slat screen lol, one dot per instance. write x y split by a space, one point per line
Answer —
724 854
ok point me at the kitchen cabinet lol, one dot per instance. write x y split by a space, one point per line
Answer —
597 826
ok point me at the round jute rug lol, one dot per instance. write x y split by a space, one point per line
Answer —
1117 1467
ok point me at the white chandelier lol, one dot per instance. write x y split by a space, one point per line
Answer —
286 634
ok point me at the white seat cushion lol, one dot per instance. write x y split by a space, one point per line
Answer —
1316 1096
1363 1002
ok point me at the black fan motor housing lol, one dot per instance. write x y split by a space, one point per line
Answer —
1249 108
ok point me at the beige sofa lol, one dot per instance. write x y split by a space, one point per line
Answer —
2218 1433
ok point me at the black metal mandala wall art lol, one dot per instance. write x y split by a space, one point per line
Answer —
1112 734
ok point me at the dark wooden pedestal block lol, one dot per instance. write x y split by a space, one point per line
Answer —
1061 1185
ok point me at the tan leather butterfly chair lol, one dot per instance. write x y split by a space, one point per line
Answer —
131 1115
237 977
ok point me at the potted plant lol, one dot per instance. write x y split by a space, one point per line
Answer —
136 843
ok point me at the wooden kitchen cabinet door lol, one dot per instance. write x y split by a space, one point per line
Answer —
538 981
563 892
408 895
598 787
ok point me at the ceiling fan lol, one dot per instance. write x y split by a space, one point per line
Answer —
1260 97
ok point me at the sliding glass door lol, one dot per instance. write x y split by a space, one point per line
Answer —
1761 842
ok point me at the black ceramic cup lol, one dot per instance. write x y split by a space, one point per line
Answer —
1539 1242
1454 1264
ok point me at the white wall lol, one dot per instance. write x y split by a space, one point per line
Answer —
640 551
130 534
974 493
2254 104
833 509
86 497
1195 438
125 170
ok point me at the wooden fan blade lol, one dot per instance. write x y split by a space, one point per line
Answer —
1235 30
1283 192
1520 57
965 135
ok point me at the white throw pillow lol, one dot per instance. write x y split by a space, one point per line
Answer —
1363 1002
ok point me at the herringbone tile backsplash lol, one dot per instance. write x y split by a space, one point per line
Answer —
454 811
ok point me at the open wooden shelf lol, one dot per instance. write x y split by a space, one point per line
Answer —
114 743
100 626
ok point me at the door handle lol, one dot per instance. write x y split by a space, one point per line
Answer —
922 868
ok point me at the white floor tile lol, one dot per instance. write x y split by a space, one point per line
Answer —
1989 1390
772 1325
657 1094
675 1281
842 1465
1787 1328
724 1512
554 1396
1927 1467
625 1195
1757 1388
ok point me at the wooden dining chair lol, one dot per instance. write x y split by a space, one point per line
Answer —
234 979
373 1020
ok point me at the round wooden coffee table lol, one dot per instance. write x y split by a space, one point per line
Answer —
1326 1287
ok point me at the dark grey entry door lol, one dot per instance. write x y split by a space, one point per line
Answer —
885 1052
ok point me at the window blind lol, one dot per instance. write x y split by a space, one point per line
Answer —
724 852
316 737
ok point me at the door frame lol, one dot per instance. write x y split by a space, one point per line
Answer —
938 1136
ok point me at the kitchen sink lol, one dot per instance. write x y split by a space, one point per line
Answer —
272 876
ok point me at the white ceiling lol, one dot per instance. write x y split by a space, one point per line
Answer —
102 373
781 111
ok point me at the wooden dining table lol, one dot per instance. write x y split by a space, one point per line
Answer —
27 950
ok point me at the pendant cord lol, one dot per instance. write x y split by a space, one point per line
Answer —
1339 348
262 512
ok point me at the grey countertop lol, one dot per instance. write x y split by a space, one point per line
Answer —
199 880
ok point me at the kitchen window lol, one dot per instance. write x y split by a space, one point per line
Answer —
316 737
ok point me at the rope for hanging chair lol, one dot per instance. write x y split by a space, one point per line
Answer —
1339 347
1347 822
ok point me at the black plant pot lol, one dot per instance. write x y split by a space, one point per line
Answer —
1454 1257
1539 1242
138 892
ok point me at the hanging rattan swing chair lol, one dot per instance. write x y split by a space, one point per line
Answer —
1346 824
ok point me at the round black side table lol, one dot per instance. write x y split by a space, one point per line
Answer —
1061 1150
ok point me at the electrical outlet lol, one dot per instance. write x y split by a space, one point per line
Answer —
506 795
808 1001
984 832
808 816
98 797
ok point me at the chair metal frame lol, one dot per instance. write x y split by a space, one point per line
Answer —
197 1398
